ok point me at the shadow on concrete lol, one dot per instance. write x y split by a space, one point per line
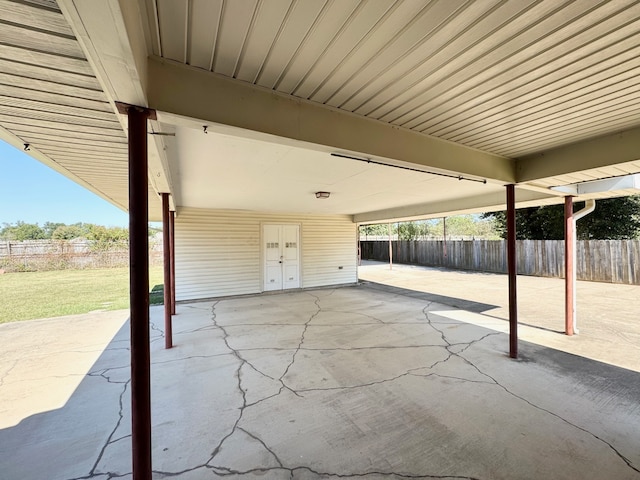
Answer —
297 386
461 303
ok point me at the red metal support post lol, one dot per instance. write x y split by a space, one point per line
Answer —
513 270
166 255
139 292
172 241
569 267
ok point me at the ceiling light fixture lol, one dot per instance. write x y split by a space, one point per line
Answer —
323 194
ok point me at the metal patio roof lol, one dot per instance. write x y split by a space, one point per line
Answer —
536 93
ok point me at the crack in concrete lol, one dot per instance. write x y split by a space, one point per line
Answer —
196 330
8 371
348 312
521 398
304 331
181 359
110 440
452 349
103 374
373 347
495 382
266 447
155 328
224 471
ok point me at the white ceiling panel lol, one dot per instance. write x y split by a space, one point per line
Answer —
223 171
204 20
294 32
237 19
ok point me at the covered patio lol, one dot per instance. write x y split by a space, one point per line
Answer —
262 134
351 382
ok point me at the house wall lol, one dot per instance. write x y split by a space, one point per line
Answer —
218 252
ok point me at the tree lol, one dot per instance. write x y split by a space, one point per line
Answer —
50 227
613 219
105 238
410 230
464 226
69 232
22 231
377 229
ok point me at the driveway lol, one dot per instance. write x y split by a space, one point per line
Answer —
352 382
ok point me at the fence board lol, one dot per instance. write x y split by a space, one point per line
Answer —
611 261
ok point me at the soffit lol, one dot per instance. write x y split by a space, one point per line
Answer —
51 100
510 78
223 169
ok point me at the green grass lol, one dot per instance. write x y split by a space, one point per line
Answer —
28 295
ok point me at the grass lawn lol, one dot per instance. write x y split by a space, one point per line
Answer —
28 295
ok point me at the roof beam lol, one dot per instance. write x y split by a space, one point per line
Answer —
490 202
593 153
186 91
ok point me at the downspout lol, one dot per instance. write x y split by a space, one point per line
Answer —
589 206
390 247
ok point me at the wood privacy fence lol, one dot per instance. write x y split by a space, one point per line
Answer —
612 261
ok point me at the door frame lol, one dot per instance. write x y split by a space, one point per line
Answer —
263 259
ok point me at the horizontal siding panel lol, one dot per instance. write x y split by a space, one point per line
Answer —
218 252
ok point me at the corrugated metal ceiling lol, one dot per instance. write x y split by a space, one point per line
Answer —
508 77
51 100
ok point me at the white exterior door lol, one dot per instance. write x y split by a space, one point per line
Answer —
281 256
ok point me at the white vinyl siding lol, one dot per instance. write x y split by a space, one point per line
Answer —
218 252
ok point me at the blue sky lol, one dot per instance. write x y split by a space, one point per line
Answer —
34 193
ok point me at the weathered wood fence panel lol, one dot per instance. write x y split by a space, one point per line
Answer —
612 261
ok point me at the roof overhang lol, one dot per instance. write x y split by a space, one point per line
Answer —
614 184
277 101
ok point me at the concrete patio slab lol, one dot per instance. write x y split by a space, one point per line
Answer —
352 382
607 314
